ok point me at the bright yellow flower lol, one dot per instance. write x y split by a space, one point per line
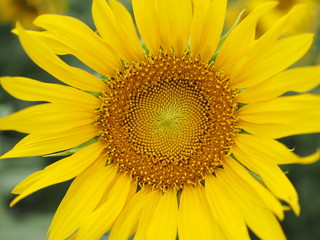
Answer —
309 22
27 10
163 143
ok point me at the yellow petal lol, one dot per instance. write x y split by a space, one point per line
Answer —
195 221
148 23
37 144
81 41
60 171
45 58
51 41
32 90
282 116
174 23
295 80
275 59
133 191
163 23
129 217
165 219
116 27
47 118
269 38
271 175
200 8
147 215
101 219
224 211
261 220
241 39
218 233
205 32
272 150
81 199
244 184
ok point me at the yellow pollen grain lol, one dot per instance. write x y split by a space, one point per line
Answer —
168 121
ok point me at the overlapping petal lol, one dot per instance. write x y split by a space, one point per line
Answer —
31 90
36 119
58 172
282 116
259 218
286 81
266 42
174 24
256 192
224 211
271 175
147 21
127 221
195 222
236 46
45 58
146 215
276 31
164 222
83 196
116 27
102 218
272 150
272 61
81 42
164 23
249 61
205 33
37 144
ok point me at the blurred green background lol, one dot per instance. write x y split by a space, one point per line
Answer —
30 218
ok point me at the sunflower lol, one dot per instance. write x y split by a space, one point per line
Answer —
27 10
171 135
309 22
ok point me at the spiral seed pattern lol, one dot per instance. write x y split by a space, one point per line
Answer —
168 121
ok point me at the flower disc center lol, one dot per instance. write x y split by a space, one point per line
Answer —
168 121
164 120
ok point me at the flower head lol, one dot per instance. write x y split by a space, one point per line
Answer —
177 136
27 10
309 22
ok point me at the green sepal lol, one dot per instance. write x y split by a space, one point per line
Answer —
253 174
223 39
96 94
256 176
105 80
144 48
241 105
242 131
72 150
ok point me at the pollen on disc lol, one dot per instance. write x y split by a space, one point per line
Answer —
168 121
